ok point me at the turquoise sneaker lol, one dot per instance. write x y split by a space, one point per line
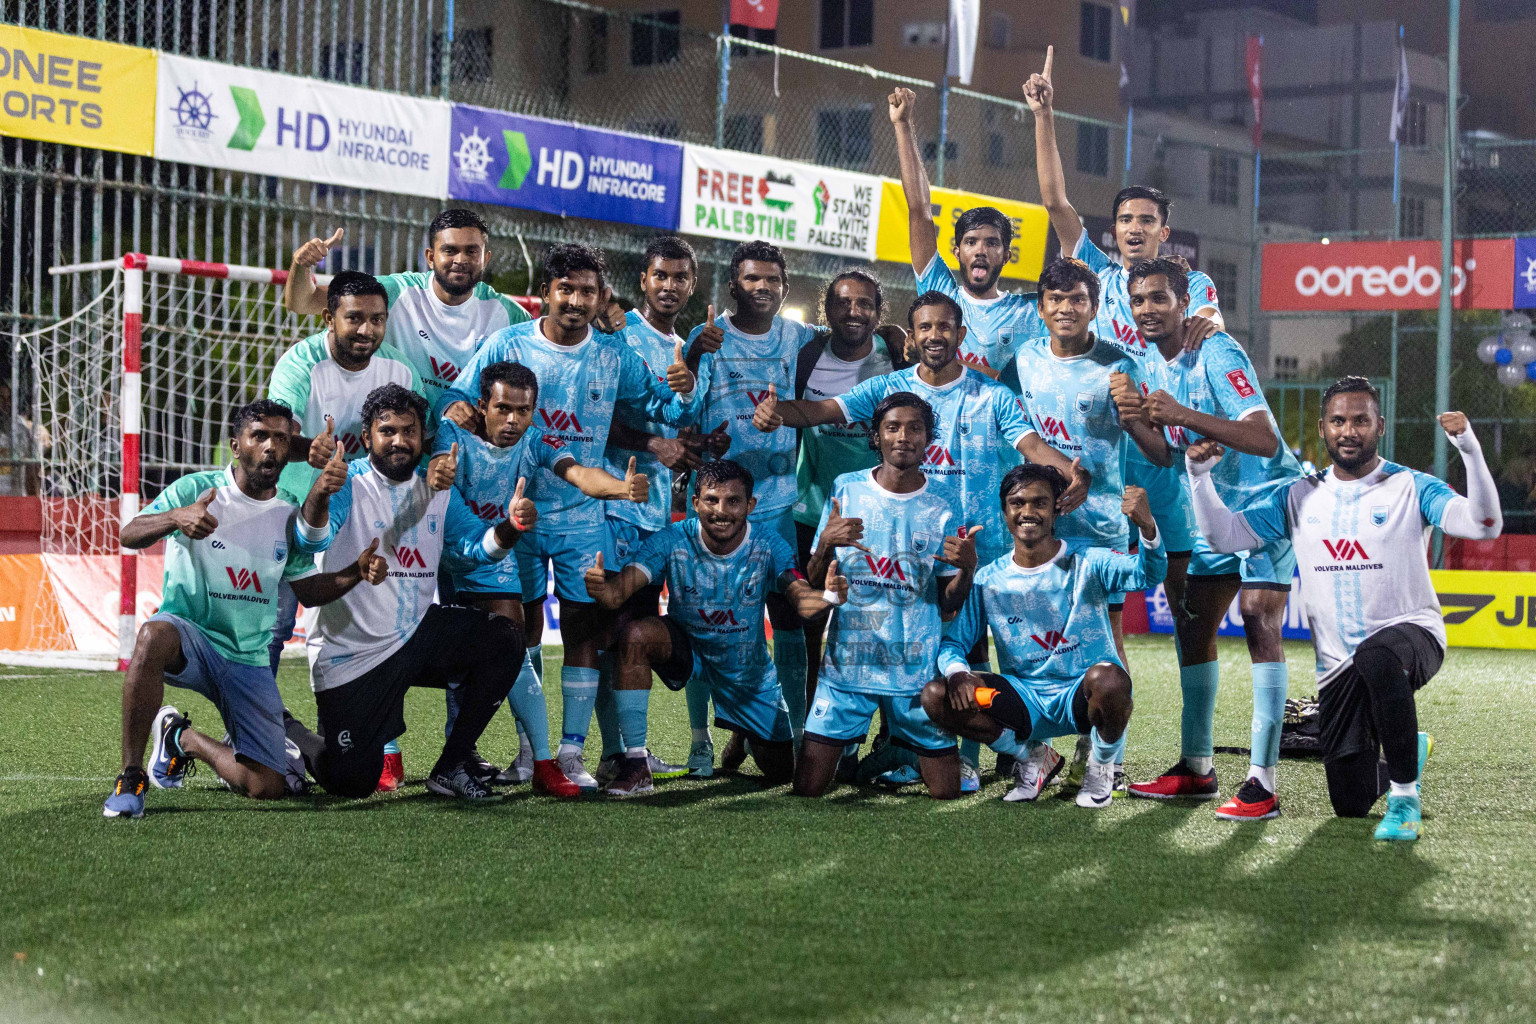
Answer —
1402 820
970 778
701 759
902 775
1426 747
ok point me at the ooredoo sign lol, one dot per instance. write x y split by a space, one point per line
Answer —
1348 276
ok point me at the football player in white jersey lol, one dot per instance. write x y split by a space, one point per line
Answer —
230 536
1359 529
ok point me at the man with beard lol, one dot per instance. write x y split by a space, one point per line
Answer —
584 376
325 379
1047 604
997 322
437 318
909 558
1212 392
399 523
719 568
976 419
742 356
230 535
1360 528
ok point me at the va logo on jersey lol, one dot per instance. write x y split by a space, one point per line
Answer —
1378 514
486 510
1126 335
885 568
1050 427
559 419
350 443
938 455
1051 640
718 617
757 397
410 558
444 370
1345 550
243 579
974 359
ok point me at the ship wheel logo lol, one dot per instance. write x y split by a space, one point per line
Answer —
194 111
473 156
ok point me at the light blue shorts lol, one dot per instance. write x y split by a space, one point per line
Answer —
1269 568
843 716
246 695
505 577
571 552
1172 508
1050 714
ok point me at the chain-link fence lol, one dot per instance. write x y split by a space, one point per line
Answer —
648 74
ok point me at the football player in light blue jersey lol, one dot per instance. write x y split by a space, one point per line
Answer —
582 376
909 559
751 354
719 568
1213 392
1083 395
977 418
1047 604
997 322
485 470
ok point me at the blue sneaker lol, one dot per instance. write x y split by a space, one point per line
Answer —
169 765
902 775
127 798
1402 820
1426 747
970 778
701 759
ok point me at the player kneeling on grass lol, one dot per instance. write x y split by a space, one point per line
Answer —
231 536
1048 606
1359 530
719 569
369 645
909 560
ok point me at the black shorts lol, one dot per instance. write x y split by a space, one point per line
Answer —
1009 710
677 669
366 713
1344 704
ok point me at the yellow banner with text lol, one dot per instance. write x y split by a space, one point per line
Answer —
1030 222
80 92
1487 609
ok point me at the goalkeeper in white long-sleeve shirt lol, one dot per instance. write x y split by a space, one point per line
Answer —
1359 530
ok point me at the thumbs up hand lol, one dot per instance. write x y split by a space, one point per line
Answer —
710 338
960 550
596 580
443 469
765 416
194 520
321 448
334 476
521 510
637 486
841 531
316 249
371 566
679 377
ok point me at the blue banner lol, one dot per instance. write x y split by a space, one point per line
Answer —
560 168
1160 618
1525 273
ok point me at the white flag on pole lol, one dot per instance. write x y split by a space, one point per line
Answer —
964 24
1400 95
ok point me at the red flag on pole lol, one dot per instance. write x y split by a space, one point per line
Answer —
1256 87
755 13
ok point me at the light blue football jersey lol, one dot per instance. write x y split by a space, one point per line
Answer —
655 351
977 418
718 600
1067 399
579 387
885 640
1115 323
1219 379
1050 624
995 328
734 380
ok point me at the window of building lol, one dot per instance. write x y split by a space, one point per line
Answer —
1094 38
1225 183
1287 367
1411 219
1093 149
1223 275
931 151
922 33
653 38
843 137
847 23
999 31
597 44
744 132
471 55
757 35
1416 124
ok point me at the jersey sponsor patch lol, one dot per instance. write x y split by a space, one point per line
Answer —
1239 381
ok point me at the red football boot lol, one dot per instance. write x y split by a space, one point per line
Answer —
392 775
551 781
1252 803
1178 783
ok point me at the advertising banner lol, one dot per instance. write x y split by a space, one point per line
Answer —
744 196
59 88
561 168
1525 274
289 127
1350 276
1481 609
1030 224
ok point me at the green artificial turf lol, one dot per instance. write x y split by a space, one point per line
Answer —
718 901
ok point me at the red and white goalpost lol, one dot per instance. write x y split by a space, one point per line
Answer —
215 324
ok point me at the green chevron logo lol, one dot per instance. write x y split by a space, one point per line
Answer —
519 160
252 121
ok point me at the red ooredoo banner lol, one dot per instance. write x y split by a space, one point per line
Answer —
1348 276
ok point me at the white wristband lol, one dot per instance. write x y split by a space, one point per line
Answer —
831 598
